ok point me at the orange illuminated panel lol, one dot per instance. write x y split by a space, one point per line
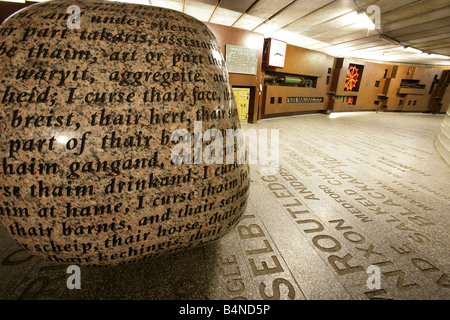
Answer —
352 78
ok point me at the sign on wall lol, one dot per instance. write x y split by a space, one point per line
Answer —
241 60
304 99
242 98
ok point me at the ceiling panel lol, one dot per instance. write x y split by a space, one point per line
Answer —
380 49
323 14
236 5
413 9
387 5
346 34
225 17
170 4
345 23
423 17
432 43
264 9
291 13
248 22
360 40
440 45
200 9
428 26
443 51
333 26
368 45
427 34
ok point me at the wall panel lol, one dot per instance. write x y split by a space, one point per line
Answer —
242 38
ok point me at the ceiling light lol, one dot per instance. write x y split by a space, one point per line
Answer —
363 21
437 56
409 49
174 5
267 28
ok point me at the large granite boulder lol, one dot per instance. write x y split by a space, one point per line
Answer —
114 124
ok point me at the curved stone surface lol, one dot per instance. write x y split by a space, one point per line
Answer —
442 141
95 115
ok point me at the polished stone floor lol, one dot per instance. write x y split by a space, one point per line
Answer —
359 208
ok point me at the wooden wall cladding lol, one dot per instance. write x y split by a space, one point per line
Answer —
299 61
304 61
411 99
372 84
275 100
380 87
247 39
8 8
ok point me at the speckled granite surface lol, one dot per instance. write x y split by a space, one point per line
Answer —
442 140
87 117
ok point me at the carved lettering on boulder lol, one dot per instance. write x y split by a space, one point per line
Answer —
90 116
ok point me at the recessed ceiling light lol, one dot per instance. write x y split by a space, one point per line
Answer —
409 49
